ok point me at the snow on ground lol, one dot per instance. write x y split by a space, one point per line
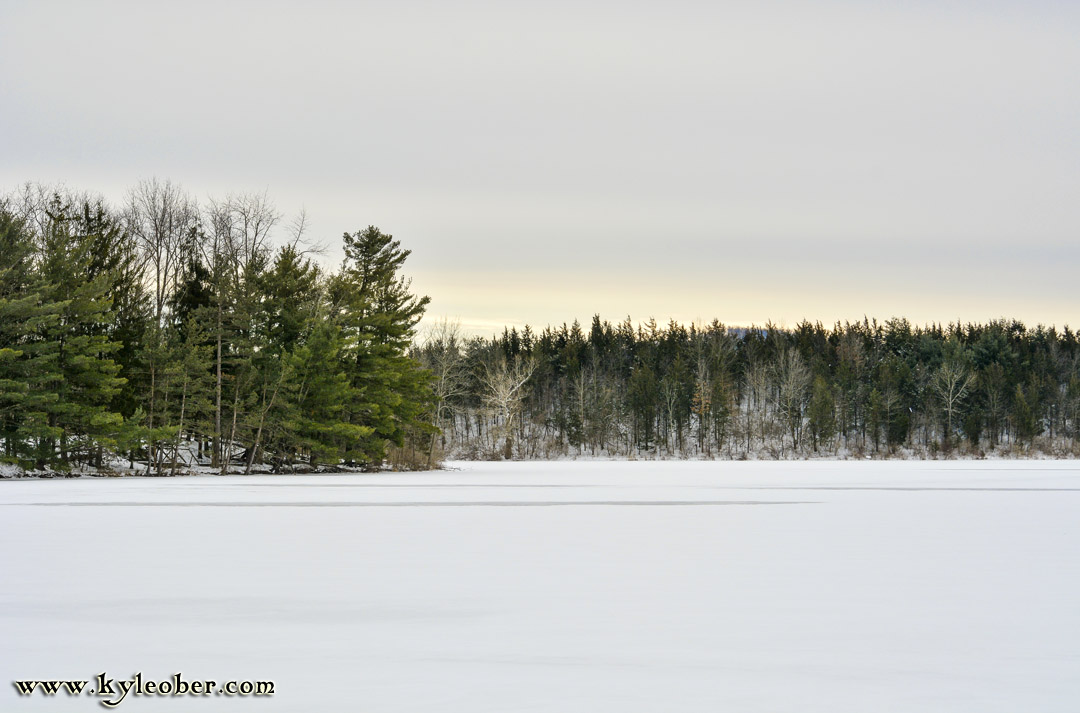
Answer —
564 587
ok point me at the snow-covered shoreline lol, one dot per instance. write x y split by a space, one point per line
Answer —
13 472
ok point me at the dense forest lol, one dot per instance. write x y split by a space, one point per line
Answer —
163 335
172 335
860 390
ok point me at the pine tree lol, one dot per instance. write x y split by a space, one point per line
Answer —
1024 422
318 394
821 413
643 395
28 375
377 314
289 299
78 282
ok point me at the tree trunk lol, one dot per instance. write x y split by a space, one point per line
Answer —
180 429
215 457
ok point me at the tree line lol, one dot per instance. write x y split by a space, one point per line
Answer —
855 389
173 334
166 334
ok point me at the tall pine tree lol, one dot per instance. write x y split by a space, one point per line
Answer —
28 373
377 314
78 280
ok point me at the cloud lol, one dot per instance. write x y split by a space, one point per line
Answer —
933 145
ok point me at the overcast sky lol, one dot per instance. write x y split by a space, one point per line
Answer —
546 161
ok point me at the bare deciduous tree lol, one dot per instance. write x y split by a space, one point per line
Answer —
755 387
952 382
505 392
442 354
163 219
792 382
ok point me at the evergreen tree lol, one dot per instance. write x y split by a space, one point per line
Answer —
319 394
290 301
1024 422
78 283
643 396
377 314
821 413
28 374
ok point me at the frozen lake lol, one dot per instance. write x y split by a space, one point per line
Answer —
562 587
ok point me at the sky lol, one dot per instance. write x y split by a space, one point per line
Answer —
744 161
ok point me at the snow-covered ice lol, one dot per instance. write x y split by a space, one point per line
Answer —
563 587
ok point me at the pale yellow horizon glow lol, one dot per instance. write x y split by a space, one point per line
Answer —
485 304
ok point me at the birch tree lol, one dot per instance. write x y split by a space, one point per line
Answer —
952 383
505 392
